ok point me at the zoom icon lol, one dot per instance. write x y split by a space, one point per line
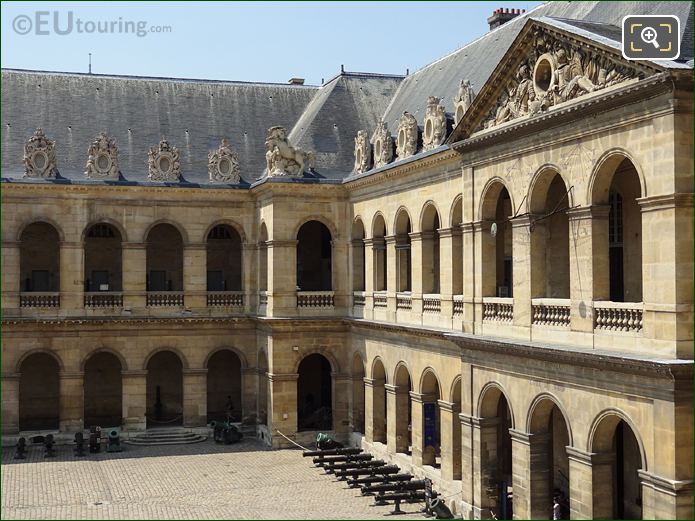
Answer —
651 37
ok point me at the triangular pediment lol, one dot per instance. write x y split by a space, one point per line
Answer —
550 63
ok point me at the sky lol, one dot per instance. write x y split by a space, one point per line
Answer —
245 41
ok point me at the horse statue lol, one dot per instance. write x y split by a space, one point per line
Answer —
282 159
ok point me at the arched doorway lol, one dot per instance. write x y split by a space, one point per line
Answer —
403 411
103 259
497 242
430 250
223 259
39 260
164 259
164 389
224 386
380 267
314 271
403 252
495 454
357 393
431 420
457 247
39 393
620 461
262 406
103 391
358 256
456 430
378 404
549 468
314 394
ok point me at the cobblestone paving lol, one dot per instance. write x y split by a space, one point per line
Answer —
199 481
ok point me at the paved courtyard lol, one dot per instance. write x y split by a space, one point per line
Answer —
199 481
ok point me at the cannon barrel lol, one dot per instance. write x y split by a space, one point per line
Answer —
368 471
355 465
331 452
342 459
411 496
387 478
396 486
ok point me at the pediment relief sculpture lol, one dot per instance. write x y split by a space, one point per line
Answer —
102 158
383 145
435 124
282 159
223 164
463 100
406 142
363 152
39 156
164 162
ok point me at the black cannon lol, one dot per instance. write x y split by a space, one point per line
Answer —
368 471
324 442
353 465
48 443
397 498
21 448
370 480
331 452
439 509
79 444
396 486
94 439
113 443
331 460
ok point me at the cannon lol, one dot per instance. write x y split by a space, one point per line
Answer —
324 441
48 443
79 444
387 478
94 439
397 498
113 443
440 510
225 432
21 448
331 452
368 471
397 486
352 465
342 459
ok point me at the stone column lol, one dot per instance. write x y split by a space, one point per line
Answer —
342 391
342 290
664 498
374 411
71 277
588 234
471 276
282 278
71 402
530 476
10 403
249 284
446 271
522 271
485 276
397 410
391 276
249 391
195 276
369 278
134 275
420 457
134 399
450 439
195 397
479 461
357 406
416 279
11 276
283 407
591 489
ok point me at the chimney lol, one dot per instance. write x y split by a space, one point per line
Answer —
503 15
296 81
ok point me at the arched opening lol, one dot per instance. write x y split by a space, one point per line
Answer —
164 390
39 261
223 259
224 386
457 247
430 250
431 418
357 393
314 271
262 406
379 256
164 259
403 411
456 429
314 394
550 274
403 256
358 256
39 392
103 259
497 243
621 494
263 259
549 468
103 391
496 454
379 406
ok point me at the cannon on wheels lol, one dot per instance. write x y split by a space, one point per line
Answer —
324 442
368 471
378 478
225 432
331 452
411 496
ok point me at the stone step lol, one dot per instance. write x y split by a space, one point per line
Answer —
168 439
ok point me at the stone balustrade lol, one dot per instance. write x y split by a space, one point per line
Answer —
103 299
458 305
618 316
315 299
498 309
404 300
263 298
225 299
431 303
550 312
380 299
358 298
156 299
37 299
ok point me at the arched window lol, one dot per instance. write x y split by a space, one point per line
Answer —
164 259
379 254
40 258
224 259
314 394
358 256
103 259
314 270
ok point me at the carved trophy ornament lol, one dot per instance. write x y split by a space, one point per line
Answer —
554 72
223 164
39 156
163 162
406 143
363 152
282 159
102 158
435 124
463 100
383 145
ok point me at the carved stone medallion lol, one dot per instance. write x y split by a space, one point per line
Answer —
102 160
406 143
463 100
363 152
163 162
383 145
223 164
39 156
435 124
282 159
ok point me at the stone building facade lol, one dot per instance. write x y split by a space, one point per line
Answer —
498 297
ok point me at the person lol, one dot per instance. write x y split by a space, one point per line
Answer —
557 509
229 408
